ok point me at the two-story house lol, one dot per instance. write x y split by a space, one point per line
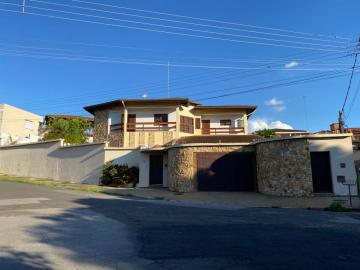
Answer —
156 122
17 125
140 132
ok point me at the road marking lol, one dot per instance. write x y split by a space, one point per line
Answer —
23 201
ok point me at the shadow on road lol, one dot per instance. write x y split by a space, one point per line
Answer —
11 259
119 234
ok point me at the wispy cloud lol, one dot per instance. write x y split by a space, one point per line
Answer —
274 102
291 64
258 124
279 108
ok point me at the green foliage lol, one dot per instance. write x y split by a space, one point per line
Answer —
73 131
336 206
118 175
266 133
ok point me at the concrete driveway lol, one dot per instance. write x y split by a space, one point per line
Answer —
43 228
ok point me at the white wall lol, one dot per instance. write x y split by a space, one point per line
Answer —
147 114
144 168
51 160
215 119
128 156
340 152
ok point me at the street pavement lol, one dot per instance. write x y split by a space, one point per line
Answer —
43 228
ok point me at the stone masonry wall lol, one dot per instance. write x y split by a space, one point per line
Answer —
101 126
284 168
182 165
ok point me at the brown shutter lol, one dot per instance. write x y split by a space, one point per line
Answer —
197 123
186 124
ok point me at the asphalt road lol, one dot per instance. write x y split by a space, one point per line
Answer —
42 228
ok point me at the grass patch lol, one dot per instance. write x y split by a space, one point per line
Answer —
52 183
337 206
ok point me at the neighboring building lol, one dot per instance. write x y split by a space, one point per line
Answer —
151 122
18 126
289 132
355 132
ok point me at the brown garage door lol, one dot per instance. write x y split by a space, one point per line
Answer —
225 171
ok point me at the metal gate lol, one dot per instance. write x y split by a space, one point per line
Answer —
234 171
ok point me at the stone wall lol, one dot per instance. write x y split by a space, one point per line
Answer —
101 126
182 164
284 168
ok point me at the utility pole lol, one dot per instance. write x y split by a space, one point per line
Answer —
341 113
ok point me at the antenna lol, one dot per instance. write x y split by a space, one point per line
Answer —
23 6
306 113
168 79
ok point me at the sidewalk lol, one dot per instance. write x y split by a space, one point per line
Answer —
233 199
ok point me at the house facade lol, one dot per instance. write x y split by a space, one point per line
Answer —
17 125
155 122
187 147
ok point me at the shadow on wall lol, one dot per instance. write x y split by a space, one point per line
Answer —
11 259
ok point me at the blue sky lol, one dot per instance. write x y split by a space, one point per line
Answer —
50 65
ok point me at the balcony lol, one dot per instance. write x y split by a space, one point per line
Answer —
145 126
222 130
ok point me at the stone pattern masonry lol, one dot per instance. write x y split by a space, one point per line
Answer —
284 168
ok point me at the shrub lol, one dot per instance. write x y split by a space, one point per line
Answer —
336 206
119 175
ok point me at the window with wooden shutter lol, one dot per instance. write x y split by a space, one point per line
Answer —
197 123
226 122
161 119
186 124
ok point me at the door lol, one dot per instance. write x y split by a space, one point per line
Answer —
131 122
233 171
156 169
205 126
321 172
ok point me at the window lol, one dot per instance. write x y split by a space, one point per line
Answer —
161 119
186 124
115 120
239 122
29 124
197 123
226 122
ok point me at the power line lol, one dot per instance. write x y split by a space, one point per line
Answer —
173 33
271 86
184 22
236 60
353 100
212 20
70 57
350 81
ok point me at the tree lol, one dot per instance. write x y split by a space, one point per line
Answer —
266 133
73 131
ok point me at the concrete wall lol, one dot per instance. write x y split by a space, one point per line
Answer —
340 152
51 160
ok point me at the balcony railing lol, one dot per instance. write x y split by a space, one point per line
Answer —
145 126
220 131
